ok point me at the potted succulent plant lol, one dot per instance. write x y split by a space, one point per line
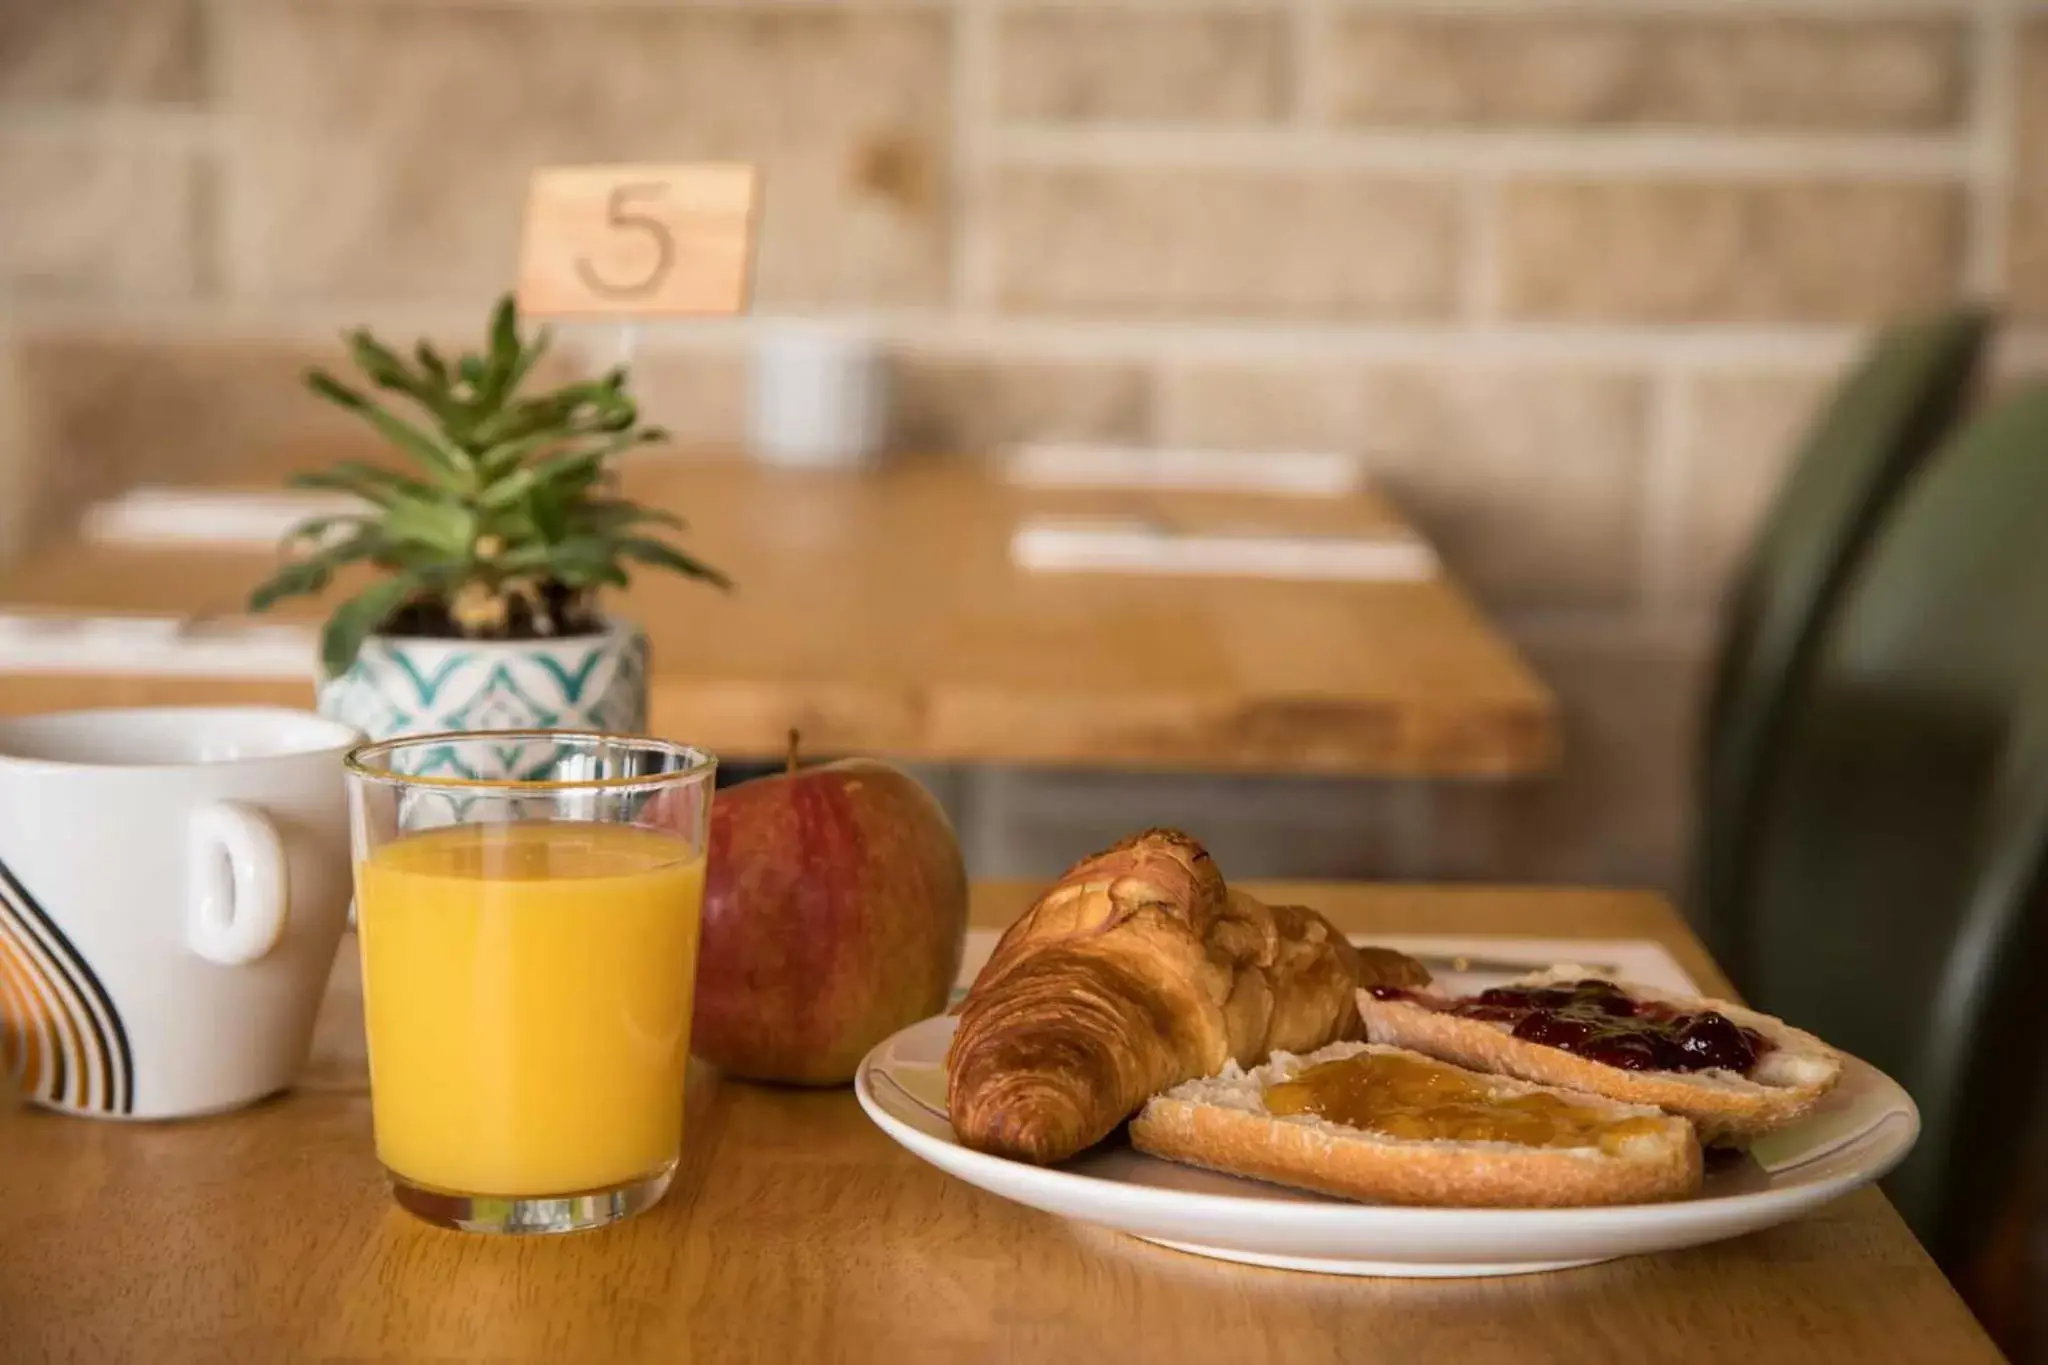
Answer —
490 550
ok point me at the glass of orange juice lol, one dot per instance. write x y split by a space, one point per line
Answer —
527 904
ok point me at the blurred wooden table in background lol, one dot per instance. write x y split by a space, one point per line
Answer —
881 613
796 1231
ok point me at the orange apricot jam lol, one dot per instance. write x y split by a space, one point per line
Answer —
1408 1097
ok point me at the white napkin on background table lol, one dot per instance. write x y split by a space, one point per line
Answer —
206 516
154 646
1061 544
1277 473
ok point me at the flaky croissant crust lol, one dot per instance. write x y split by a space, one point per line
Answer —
1139 970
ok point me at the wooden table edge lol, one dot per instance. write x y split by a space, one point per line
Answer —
1522 741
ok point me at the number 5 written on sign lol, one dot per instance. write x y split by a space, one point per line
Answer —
623 218
638 240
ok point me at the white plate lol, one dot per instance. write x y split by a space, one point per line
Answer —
1860 1132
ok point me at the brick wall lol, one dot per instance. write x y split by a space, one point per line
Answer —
1571 272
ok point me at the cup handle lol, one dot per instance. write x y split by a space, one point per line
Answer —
237 911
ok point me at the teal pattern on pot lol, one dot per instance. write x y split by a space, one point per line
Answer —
413 686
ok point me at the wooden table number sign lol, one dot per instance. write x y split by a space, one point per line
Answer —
632 241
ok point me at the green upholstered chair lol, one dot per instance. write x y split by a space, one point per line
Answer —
1894 900
1976 1072
1891 410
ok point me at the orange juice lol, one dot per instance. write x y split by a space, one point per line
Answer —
526 989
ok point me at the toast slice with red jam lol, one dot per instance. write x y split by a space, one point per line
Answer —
1735 1073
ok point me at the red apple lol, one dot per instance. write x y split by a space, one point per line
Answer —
835 906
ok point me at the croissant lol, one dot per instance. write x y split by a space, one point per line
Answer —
1138 971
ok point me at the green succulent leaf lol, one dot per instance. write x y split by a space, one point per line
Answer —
505 349
505 332
310 574
355 620
423 558
494 462
616 412
556 474
382 365
596 573
430 361
313 529
449 528
667 556
372 483
290 580
528 358
572 553
446 461
550 518
615 514
334 391
530 417
623 441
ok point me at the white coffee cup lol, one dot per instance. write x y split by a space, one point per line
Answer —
173 886
819 395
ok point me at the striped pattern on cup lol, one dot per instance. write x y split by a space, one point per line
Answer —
61 1038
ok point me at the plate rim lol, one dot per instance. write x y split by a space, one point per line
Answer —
1153 1198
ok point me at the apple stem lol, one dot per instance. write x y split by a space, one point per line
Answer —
792 750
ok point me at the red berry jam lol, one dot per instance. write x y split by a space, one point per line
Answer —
1597 1020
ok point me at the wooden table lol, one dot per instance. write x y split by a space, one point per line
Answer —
796 1231
881 613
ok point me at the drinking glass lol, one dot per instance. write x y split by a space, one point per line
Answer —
527 904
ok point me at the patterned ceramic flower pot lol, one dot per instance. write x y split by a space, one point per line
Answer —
406 686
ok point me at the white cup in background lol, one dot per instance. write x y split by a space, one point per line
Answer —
173 886
819 395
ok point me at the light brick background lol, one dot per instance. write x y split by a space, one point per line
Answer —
1572 274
